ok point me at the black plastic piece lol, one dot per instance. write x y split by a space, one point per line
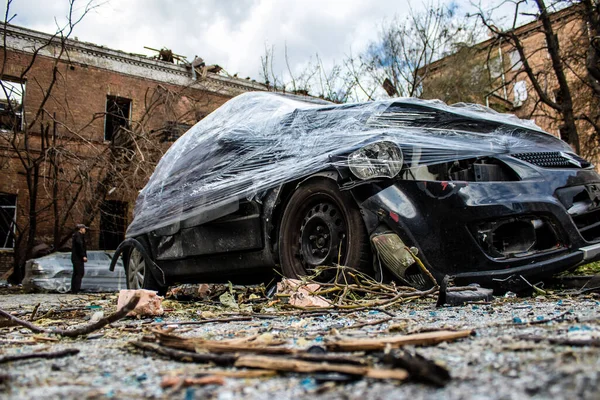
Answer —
465 296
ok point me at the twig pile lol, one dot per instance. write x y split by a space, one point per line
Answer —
354 290
275 357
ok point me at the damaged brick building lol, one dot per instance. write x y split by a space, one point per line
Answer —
81 129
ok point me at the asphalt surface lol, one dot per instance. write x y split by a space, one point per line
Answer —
495 363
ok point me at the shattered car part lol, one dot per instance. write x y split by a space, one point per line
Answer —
400 260
271 180
457 298
54 271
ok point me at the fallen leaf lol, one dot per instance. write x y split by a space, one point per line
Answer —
228 300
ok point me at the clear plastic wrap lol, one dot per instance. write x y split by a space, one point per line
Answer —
257 141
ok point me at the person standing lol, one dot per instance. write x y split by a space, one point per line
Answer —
78 257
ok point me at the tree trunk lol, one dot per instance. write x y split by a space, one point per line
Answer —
566 103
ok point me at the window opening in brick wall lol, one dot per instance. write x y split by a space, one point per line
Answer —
558 97
8 214
515 60
519 93
113 222
495 67
12 92
118 112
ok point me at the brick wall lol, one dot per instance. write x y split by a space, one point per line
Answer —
6 261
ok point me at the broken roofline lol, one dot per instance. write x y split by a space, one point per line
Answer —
520 31
89 54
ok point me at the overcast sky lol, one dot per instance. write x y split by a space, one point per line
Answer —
231 33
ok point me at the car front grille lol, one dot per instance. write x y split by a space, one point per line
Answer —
553 159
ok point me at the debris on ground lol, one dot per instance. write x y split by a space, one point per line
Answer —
277 355
150 303
200 291
371 339
457 296
79 331
301 294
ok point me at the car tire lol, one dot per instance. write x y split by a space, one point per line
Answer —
138 274
317 219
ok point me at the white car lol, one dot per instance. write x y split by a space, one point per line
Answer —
54 271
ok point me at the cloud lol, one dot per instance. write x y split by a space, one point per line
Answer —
230 33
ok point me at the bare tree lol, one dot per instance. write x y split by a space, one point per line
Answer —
270 77
333 83
398 61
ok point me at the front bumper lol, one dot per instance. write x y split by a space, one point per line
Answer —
61 284
438 219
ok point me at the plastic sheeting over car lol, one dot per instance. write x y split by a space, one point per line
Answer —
258 141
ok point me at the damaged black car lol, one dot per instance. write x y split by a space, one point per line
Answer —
403 189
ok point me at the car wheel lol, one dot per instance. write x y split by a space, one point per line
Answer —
322 226
138 273
64 285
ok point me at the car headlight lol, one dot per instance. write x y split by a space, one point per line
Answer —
36 269
376 160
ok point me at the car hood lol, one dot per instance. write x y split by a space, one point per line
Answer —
258 141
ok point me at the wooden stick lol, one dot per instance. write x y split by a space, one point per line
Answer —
55 354
330 358
77 331
228 348
237 346
34 312
208 321
177 382
250 373
17 341
187 356
228 359
39 338
396 341
84 330
290 365
356 326
24 323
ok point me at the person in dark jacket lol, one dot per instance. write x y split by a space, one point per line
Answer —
78 257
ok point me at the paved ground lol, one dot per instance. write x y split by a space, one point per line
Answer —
492 364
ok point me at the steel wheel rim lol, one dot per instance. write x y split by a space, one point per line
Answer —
323 230
64 285
136 270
